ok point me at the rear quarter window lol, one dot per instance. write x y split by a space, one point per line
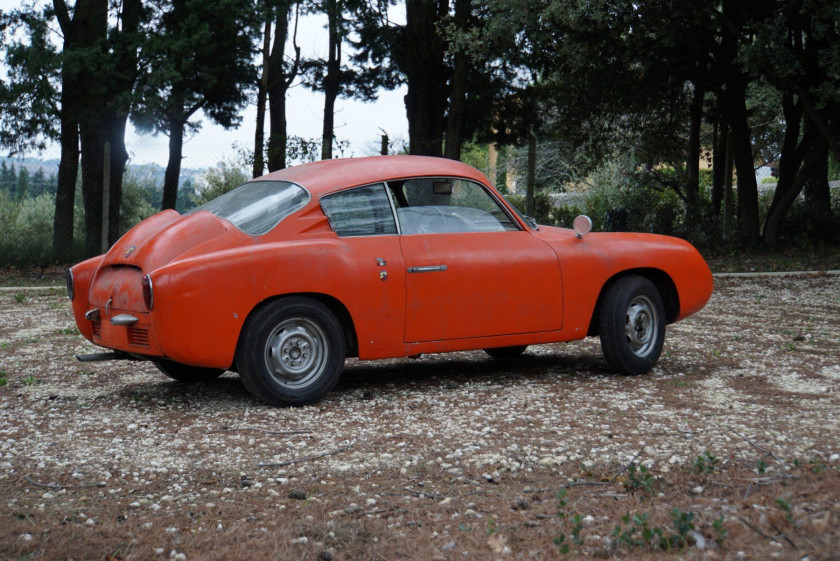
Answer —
258 206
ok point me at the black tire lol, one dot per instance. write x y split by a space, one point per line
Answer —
186 373
291 352
632 325
506 352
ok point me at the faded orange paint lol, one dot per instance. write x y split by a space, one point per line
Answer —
498 289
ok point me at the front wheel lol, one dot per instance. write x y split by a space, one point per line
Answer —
632 325
291 352
186 373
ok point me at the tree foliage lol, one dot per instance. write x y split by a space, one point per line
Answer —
197 56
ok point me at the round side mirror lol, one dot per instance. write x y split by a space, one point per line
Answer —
582 225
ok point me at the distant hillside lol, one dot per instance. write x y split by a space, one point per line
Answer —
153 173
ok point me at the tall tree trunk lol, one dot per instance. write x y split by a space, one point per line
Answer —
743 157
458 95
422 62
775 220
278 85
119 102
332 81
68 171
68 167
692 164
818 201
119 159
727 189
83 98
719 166
173 167
793 151
93 138
736 112
262 95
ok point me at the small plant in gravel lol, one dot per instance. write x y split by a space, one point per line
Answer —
577 526
30 380
817 466
637 531
20 297
639 478
491 525
560 541
785 507
3 378
719 530
706 463
761 467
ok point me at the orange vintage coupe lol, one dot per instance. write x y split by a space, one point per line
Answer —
284 277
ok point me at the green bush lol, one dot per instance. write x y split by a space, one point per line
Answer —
217 181
27 230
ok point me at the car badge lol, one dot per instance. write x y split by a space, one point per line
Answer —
130 250
383 275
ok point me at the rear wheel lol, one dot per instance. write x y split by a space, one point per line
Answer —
186 373
291 352
632 325
506 352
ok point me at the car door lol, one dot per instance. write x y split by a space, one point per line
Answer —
471 271
369 270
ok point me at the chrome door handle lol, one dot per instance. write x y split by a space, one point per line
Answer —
427 269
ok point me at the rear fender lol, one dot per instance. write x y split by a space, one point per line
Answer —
83 274
202 303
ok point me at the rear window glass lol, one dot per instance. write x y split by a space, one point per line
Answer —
258 206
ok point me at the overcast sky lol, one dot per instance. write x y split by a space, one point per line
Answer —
357 122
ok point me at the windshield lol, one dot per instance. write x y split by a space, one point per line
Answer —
258 206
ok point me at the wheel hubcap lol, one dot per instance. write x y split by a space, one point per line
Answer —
296 352
641 325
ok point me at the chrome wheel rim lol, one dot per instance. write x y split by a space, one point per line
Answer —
296 352
641 325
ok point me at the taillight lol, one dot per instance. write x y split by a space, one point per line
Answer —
148 292
71 291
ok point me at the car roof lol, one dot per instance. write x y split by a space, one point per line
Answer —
331 175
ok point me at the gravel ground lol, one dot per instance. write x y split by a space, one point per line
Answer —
449 456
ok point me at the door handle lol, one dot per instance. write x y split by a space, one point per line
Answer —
427 269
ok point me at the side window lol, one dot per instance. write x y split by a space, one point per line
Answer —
440 206
364 211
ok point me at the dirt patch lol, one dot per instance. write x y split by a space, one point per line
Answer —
727 450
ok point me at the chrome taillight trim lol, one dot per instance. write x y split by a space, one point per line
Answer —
149 288
71 289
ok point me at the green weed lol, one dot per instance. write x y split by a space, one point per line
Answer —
491 525
719 530
786 507
706 463
638 477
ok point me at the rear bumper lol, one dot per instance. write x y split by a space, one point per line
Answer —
115 332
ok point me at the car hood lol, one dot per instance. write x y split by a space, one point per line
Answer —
162 238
